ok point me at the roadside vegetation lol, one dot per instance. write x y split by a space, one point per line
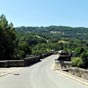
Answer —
16 43
80 58
10 46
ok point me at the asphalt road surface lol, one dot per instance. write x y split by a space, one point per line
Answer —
39 75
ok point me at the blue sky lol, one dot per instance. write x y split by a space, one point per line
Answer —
46 12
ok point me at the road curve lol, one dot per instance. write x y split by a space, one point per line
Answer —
39 75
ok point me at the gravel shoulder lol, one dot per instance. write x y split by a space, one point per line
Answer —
6 71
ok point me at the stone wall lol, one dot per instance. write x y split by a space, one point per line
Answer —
59 64
83 73
67 66
20 63
15 63
29 60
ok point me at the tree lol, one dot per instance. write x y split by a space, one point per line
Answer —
7 39
23 45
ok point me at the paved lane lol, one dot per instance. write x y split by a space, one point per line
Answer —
39 75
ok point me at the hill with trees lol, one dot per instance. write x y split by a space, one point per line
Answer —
57 31
17 42
46 39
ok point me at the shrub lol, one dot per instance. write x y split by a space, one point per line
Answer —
23 46
20 54
84 56
77 61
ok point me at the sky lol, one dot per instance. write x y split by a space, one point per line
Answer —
46 12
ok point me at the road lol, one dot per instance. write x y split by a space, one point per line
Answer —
39 75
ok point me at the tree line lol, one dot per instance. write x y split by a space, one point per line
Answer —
10 46
17 42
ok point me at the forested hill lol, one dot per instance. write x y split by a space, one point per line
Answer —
41 40
56 31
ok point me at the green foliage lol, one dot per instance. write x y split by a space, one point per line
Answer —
84 56
23 45
19 54
7 39
77 61
57 32
40 40
79 51
40 49
11 46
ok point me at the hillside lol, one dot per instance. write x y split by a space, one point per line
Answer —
57 31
